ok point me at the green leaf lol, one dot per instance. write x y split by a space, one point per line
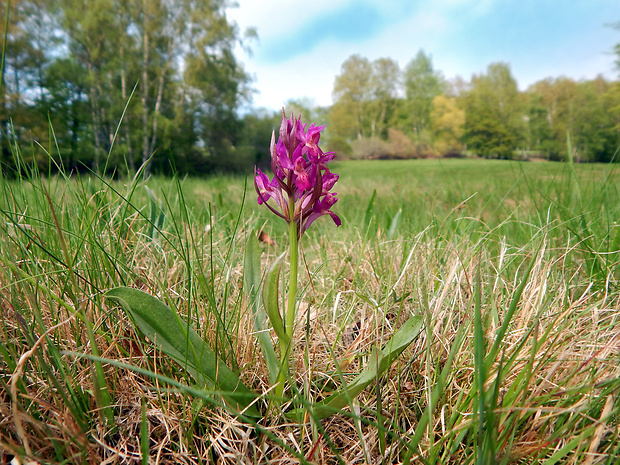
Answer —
251 284
163 327
380 361
270 298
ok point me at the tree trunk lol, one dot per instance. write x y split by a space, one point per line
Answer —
160 96
160 93
145 90
382 119
95 115
127 137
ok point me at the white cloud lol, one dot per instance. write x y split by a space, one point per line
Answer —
277 18
309 75
443 28
312 74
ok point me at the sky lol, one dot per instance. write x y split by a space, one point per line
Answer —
302 44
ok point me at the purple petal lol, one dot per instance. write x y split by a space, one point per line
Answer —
329 179
326 156
283 161
326 202
285 128
322 207
314 134
314 153
300 172
335 217
310 220
301 132
261 181
302 179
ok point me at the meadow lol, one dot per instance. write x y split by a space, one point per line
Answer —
514 268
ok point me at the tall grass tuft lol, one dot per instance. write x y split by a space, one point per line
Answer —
514 268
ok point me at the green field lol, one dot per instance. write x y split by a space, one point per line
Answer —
514 267
432 191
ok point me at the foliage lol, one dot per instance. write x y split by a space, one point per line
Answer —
181 343
422 85
107 85
353 94
492 109
124 84
447 123
508 272
487 116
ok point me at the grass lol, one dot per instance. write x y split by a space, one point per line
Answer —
514 267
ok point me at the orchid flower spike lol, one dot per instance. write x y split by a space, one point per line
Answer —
300 189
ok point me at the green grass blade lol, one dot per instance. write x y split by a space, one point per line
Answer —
4 44
501 332
437 394
480 372
144 434
380 361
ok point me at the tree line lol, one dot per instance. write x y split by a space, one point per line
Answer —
109 85
381 111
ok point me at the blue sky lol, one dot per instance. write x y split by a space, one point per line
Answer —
302 44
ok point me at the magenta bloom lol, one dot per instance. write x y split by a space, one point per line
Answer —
300 188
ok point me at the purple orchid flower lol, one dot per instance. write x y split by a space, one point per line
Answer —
301 178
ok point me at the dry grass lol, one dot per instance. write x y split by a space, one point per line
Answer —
549 391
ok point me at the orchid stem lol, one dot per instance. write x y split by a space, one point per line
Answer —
300 175
291 308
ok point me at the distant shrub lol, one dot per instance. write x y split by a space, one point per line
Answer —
369 147
453 154
397 146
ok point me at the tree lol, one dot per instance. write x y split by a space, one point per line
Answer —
494 113
366 99
583 110
447 123
257 127
343 129
30 35
66 84
557 97
594 138
176 54
93 38
422 85
385 83
353 93
539 134
616 49
304 106
613 96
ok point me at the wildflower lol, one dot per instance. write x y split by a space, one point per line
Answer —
300 189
